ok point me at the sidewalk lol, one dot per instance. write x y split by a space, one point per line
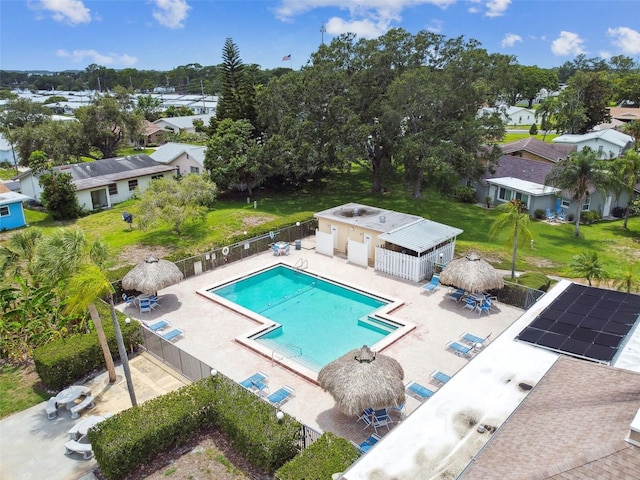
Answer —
32 447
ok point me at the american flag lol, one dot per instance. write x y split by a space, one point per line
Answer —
286 58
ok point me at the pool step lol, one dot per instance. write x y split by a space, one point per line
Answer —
376 324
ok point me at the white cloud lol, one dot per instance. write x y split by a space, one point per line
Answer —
171 13
510 39
435 26
627 39
568 43
72 12
496 8
605 54
366 18
93 56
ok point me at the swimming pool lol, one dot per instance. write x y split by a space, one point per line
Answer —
312 320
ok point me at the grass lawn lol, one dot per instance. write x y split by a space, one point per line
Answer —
18 389
7 173
512 137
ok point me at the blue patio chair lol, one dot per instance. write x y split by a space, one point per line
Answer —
484 307
433 283
457 295
549 215
418 391
381 418
280 396
256 383
470 303
144 304
154 327
440 377
560 215
459 349
176 332
473 339
128 300
368 443
366 416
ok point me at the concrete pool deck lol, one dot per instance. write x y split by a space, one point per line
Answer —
210 331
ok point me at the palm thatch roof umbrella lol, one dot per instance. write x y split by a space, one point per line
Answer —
362 378
471 273
152 275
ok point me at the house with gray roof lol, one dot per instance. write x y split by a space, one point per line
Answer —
182 124
103 183
185 158
607 143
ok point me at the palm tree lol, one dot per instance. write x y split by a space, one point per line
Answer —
627 281
514 214
67 253
19 252
587 265
626 173
577 174
545 111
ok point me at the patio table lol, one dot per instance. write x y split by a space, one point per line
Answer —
68 396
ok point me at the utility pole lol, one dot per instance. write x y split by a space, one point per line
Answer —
323 29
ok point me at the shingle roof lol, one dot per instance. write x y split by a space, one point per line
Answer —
110 170
522 168
537 147
170 151
184 122
572 425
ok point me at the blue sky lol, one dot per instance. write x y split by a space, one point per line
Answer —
163 34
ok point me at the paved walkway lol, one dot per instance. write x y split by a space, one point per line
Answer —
32 446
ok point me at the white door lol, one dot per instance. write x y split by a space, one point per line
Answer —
606 211
334 234
367 241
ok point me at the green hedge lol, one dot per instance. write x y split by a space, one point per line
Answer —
135 436
328 455
63 362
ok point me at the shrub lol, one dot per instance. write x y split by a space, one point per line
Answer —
618 212
328 455
465 194
589 217
539 213
135 436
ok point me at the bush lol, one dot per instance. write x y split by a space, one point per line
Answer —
328 455
135 436
589 217
63 362
618 212
465 194
539 214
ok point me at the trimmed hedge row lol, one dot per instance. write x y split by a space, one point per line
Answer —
135 436
328 455
63 362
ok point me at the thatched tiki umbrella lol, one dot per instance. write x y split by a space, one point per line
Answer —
152 275
363 378
472 274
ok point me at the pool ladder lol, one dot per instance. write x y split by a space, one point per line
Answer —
286 350
301 264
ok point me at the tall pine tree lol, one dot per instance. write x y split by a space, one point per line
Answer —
237 99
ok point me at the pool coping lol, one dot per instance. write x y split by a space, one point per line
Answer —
265 324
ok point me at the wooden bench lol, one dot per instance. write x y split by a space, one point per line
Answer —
87 402
79 446
52 408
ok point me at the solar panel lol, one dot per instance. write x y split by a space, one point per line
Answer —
587 322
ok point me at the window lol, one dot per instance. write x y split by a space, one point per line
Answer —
585 205
504 194
99 199
133 184
566 202
194 170
113 189
156 177
4 211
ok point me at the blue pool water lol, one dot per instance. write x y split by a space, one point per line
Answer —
319 320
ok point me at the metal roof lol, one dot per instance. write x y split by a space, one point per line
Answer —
524 186
421 235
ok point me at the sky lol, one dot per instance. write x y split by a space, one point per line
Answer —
59 35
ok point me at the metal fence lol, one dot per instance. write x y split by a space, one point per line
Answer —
221 256
194 369
518 295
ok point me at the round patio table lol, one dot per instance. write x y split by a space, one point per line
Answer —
68 396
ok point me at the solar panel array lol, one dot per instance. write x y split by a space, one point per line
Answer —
587 322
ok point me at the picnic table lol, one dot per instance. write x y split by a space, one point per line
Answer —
68 396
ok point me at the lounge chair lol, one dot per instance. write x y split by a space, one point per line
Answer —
473 340
256 383
172 334
470 303
154 327
440 377
433 283
381 418
368 443
280 396
484 307
560 215
418 391
457 295
459 349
